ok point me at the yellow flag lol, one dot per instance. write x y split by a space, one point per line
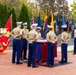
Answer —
45 18
52 22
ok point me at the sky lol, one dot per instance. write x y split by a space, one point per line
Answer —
70 1
32 0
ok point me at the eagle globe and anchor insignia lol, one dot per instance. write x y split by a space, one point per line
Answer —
4 39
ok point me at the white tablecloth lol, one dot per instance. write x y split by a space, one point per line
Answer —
42 41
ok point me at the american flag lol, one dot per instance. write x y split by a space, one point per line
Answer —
32 19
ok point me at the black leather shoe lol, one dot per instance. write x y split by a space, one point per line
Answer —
65 62
48 65
28 65
25 59
61 62
35 66
13 62
52 65
19 63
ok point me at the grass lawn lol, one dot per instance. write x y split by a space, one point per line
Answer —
71 51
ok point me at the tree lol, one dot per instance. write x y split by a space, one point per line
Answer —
1 9
3 15
13 18
73 12
9 12
13 4
54 6
24 17
17 4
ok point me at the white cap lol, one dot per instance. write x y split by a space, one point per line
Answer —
49 26
25 24
18 23
64 26
34 25
39 28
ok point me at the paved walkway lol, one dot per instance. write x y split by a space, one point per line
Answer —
7 68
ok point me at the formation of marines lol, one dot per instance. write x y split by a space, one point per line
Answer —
23 39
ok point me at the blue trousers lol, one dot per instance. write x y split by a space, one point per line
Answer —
72 34
24 48
32 54
38 53
64 52
74 45
50 58
16 50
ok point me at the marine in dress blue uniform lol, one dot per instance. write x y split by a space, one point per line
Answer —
24 41
32 38
38 53
51 39
16 34
64 45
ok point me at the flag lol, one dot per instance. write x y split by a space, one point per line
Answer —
52 22
53 30
63 21
45 22
56 26
5 39
45 26
72 34
56 20
72 20
67 23
32 19
39 21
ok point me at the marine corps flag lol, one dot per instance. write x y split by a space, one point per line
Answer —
4 35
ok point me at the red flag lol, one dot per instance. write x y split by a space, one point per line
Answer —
5 40
9 23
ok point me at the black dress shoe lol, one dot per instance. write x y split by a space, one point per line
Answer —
48 65
19 63
25 59
28 65
65 62
52 65
13 62
35 66
61 62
